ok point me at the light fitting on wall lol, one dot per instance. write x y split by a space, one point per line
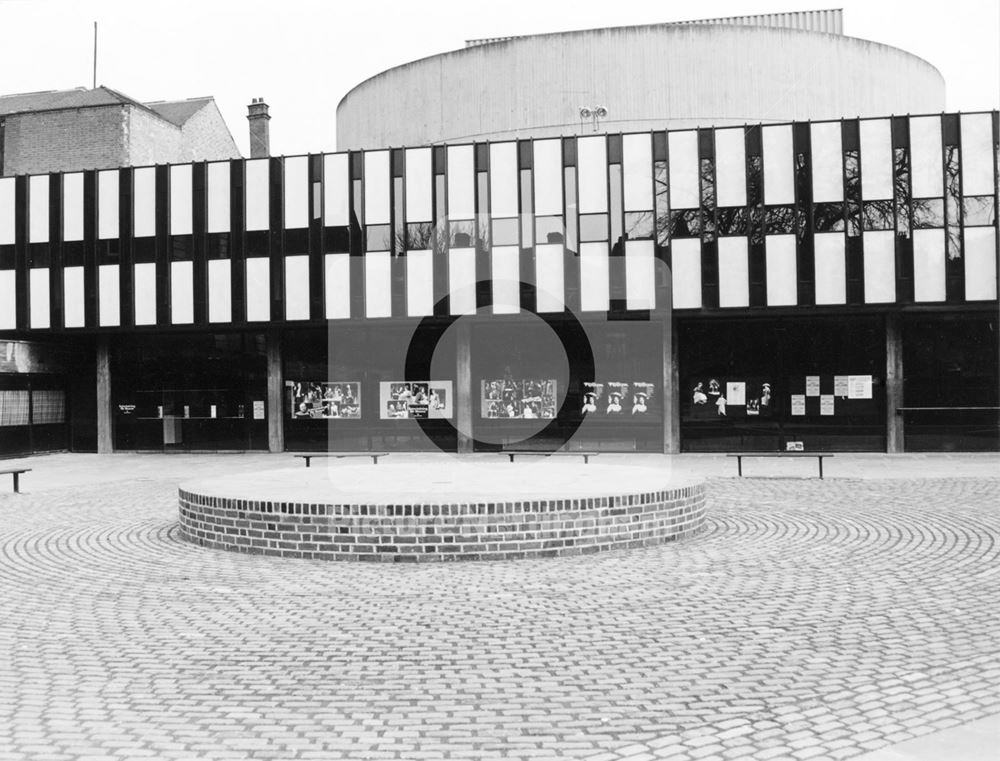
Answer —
593 112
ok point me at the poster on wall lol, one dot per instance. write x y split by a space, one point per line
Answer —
413 400
812 385
798 404
859 387
725 398
826 404
839 395
618 398
524 399
840 386
327 400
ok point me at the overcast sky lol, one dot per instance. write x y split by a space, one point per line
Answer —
302 56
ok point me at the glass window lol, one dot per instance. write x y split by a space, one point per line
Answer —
880 267
782 284
220 285
549 229
297 287
593 227
980 264
38 283
952 201
107 204
779 175
337 285
637 169
8 300
732 221
639 224
901 197
258 289
876 159
378 284
7 214
685 267
977 150
830 267
462 280
377 210
730 167
827 162
503 179
180 199
640 282
734 273
378 238
258 212
144 293
181 293
683 167
218 197
109 311
925 155
144 202
336 190
549 277
38 212
571 209
592 170
928 212
547 160
594 277
296 192
928 265
72 207
418 185
506 276
73 311
662 205
877 215
505 232
978 211
461 182
419 282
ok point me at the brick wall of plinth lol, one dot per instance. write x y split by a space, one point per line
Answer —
419 533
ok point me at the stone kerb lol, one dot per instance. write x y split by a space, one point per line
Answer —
405 531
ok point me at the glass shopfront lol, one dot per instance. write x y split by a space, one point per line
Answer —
190 392
768 385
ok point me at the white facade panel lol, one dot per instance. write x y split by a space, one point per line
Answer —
461 182
503 179
980 264
779 170
419 283
462 280
144 293
683 171
928 265
685 269
258 289
876 159
7 213
977 154
107 204
595 277
219 197
637 172
734 272
926 157
419 185
548 174
378 284
782 282
827 162
830 267
144 202
377 211
72 210
730 167
880 267
337 286
640 275
296 192
506 274
38 283
592 174
108 296
220 290
257 194
336 190
297 287
8 300
38 209
181 293
181 193
550 283
73 299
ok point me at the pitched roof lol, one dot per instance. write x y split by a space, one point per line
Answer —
49 100
179 111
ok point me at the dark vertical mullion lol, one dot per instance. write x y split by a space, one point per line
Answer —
484 217
357 218
126 281
276 237
571 219
90 295
237 238
163 253
954 261
21 286
996 192
397 233
56 310
902 193
199 227
661 220
440 241
854 244
709 242
617 297
756 252
316 203
527 265
805 252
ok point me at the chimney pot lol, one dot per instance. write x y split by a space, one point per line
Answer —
260 139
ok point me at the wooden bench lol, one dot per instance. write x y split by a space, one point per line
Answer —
338 455
16 473
512 453
739 458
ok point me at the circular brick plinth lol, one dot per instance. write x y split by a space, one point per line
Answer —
412 513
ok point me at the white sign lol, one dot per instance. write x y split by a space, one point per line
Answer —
840 385
798 404
258 409
859 387
736 393
826 404
812 385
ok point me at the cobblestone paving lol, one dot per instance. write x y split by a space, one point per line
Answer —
813 619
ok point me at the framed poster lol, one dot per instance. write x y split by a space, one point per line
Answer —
411 400
327 400
524 399
727 398
618 398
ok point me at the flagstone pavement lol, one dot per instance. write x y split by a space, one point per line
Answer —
810 619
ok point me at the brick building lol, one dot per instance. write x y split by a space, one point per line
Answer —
79 129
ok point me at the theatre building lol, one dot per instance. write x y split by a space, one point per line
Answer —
732 288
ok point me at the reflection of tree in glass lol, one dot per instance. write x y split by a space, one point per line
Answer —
952 201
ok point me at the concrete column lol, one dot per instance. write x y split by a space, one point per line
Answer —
105 437
463 385
275 393
893 384
671 390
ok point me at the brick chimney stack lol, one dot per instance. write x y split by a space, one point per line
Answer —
260 140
